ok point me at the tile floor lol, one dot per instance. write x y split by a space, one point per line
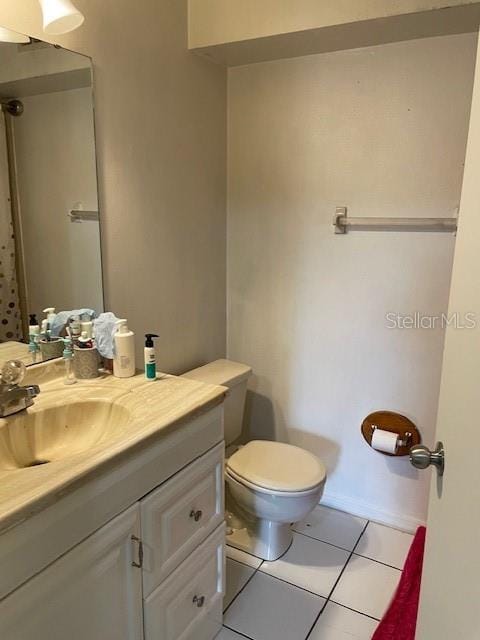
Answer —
334 583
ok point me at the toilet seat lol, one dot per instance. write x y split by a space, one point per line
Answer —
269 492
276 468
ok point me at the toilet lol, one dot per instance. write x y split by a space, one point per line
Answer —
270 485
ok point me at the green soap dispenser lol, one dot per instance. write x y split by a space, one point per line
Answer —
150 359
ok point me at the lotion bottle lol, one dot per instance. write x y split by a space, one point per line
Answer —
150 358
124 358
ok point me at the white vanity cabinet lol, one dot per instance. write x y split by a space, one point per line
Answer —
154 572
93 591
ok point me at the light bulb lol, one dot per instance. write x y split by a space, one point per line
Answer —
7 35
60 16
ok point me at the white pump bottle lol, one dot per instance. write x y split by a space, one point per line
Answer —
124 358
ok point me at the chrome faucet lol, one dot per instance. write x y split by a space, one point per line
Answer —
13 397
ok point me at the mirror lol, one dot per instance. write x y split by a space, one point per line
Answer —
49 216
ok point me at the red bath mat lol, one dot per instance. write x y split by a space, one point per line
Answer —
400 620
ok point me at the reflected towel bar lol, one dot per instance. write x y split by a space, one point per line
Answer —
342 223
77 215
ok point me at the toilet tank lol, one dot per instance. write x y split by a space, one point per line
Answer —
233 375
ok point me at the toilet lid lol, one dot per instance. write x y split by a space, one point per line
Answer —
277 466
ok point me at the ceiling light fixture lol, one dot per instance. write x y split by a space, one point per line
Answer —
7 35
60 16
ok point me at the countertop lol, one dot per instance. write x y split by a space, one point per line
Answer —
15 351
153 409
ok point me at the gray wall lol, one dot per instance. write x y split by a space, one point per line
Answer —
160 115
382 130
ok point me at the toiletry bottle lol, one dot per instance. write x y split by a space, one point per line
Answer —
33 326
33 336
84 342
124 358
87 327
50 311
150 359
69 374
33 346
75 328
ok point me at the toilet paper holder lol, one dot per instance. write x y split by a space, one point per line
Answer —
407 431
405 441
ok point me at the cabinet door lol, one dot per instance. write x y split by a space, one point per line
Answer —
93 592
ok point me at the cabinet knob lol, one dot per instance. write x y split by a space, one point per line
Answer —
196 515
199 601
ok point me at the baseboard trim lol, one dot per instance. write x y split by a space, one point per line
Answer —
371 512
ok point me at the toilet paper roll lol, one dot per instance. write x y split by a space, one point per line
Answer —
385 441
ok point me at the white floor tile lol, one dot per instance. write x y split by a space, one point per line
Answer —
309 564
366 586
385 545
269 609
226 634
237 576
244 558
332 526
338 623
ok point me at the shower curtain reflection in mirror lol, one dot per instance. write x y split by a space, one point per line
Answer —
10 314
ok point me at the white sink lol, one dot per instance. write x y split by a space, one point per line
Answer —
40 436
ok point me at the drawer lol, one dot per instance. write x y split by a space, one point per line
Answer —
188 604
180 514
